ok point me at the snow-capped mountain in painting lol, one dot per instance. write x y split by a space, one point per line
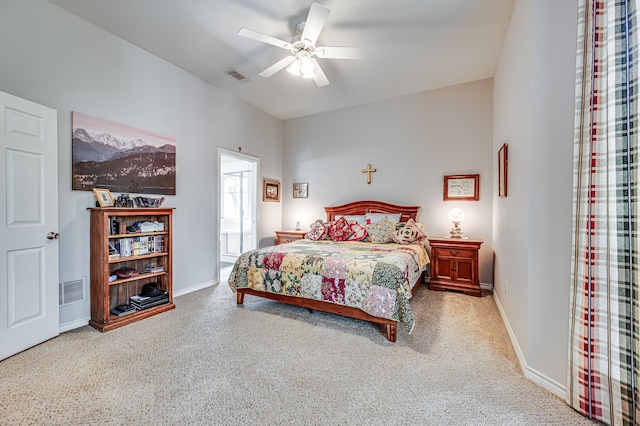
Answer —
89 146
121 164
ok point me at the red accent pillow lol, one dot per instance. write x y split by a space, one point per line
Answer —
340 230
359 232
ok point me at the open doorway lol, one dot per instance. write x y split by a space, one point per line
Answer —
238 207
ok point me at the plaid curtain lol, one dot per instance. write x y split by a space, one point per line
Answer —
603 369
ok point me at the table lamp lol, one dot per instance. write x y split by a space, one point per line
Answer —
456 216
298 219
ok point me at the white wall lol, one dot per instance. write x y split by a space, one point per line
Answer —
56 59
513 125
534 113
413 141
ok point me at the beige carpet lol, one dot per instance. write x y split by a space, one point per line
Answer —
209 362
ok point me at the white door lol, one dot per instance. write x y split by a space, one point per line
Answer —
28 212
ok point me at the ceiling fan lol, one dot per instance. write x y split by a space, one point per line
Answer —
302 61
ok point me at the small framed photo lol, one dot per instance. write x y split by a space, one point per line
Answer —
502 171
104 197
300 190
462 187
271 190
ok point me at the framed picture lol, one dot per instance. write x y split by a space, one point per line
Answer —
300 190
105 199
271 191
502 171
462 187
122 158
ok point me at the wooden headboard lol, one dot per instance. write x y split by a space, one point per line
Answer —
363 207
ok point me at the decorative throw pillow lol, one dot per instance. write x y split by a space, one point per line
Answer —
359 233
340 230
380 232
317 231
410 233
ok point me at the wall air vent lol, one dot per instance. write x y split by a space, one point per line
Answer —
236 75
71 292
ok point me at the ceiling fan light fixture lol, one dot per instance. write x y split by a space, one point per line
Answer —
294 68
307 67
303 51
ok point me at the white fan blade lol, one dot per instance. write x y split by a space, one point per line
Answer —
316 19
339 52
320 78
282 63
246 32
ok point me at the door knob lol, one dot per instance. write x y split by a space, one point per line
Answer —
53 235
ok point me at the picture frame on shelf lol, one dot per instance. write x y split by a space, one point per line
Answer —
300 190
502 171
104 197
461 187
271 191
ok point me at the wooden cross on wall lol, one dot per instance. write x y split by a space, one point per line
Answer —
368 171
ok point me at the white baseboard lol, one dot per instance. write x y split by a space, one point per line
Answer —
549 384
535 376
486 286
84 321
74 324
193 288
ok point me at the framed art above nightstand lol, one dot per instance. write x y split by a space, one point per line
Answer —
461 188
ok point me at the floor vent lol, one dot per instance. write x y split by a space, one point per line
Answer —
236 75
71 292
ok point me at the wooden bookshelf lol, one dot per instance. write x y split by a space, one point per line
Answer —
106 295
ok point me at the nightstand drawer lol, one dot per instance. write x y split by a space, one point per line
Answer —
284 237
456 252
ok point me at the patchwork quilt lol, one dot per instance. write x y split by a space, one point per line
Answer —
376 278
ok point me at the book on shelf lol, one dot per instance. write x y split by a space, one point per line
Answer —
138 246
121 310
158 244
150 305
144 245
150 269
143 300
140 302
126 247
114 226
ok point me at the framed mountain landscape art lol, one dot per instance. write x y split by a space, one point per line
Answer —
121 158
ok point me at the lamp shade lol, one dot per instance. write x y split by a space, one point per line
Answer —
456 215
294 68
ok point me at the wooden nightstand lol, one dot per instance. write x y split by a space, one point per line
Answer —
283 237
454 264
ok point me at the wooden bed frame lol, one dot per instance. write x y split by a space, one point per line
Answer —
355 208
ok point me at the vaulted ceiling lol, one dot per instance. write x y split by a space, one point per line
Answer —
408 46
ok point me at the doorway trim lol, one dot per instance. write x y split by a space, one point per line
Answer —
256 204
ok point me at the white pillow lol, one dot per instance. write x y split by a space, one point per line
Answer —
375 217
354 218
